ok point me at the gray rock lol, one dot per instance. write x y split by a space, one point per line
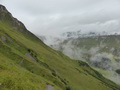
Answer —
49 87
30 57
3 39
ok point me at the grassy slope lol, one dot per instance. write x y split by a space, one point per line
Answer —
109 41
18 72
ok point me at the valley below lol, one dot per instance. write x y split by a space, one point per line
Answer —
49 63
102 52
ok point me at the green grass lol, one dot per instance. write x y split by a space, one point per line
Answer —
18 72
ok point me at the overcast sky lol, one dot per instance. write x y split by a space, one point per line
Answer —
56 16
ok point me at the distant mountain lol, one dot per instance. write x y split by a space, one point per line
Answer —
26 63
79 34
101 51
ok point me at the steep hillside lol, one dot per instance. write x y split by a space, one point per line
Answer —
26 63
100 51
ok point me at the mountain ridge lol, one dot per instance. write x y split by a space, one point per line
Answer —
26 63
99 51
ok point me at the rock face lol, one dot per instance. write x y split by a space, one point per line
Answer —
118 71
2 8
30 57
49 87
5 15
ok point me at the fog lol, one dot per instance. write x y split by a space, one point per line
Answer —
104 61
53 17
56 16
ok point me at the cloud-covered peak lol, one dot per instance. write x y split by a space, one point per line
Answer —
56 16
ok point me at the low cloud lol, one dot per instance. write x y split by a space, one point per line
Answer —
56 16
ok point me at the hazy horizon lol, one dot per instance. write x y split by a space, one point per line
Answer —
56 16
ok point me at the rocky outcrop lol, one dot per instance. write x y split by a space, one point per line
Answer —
7 16
118 71
49 87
